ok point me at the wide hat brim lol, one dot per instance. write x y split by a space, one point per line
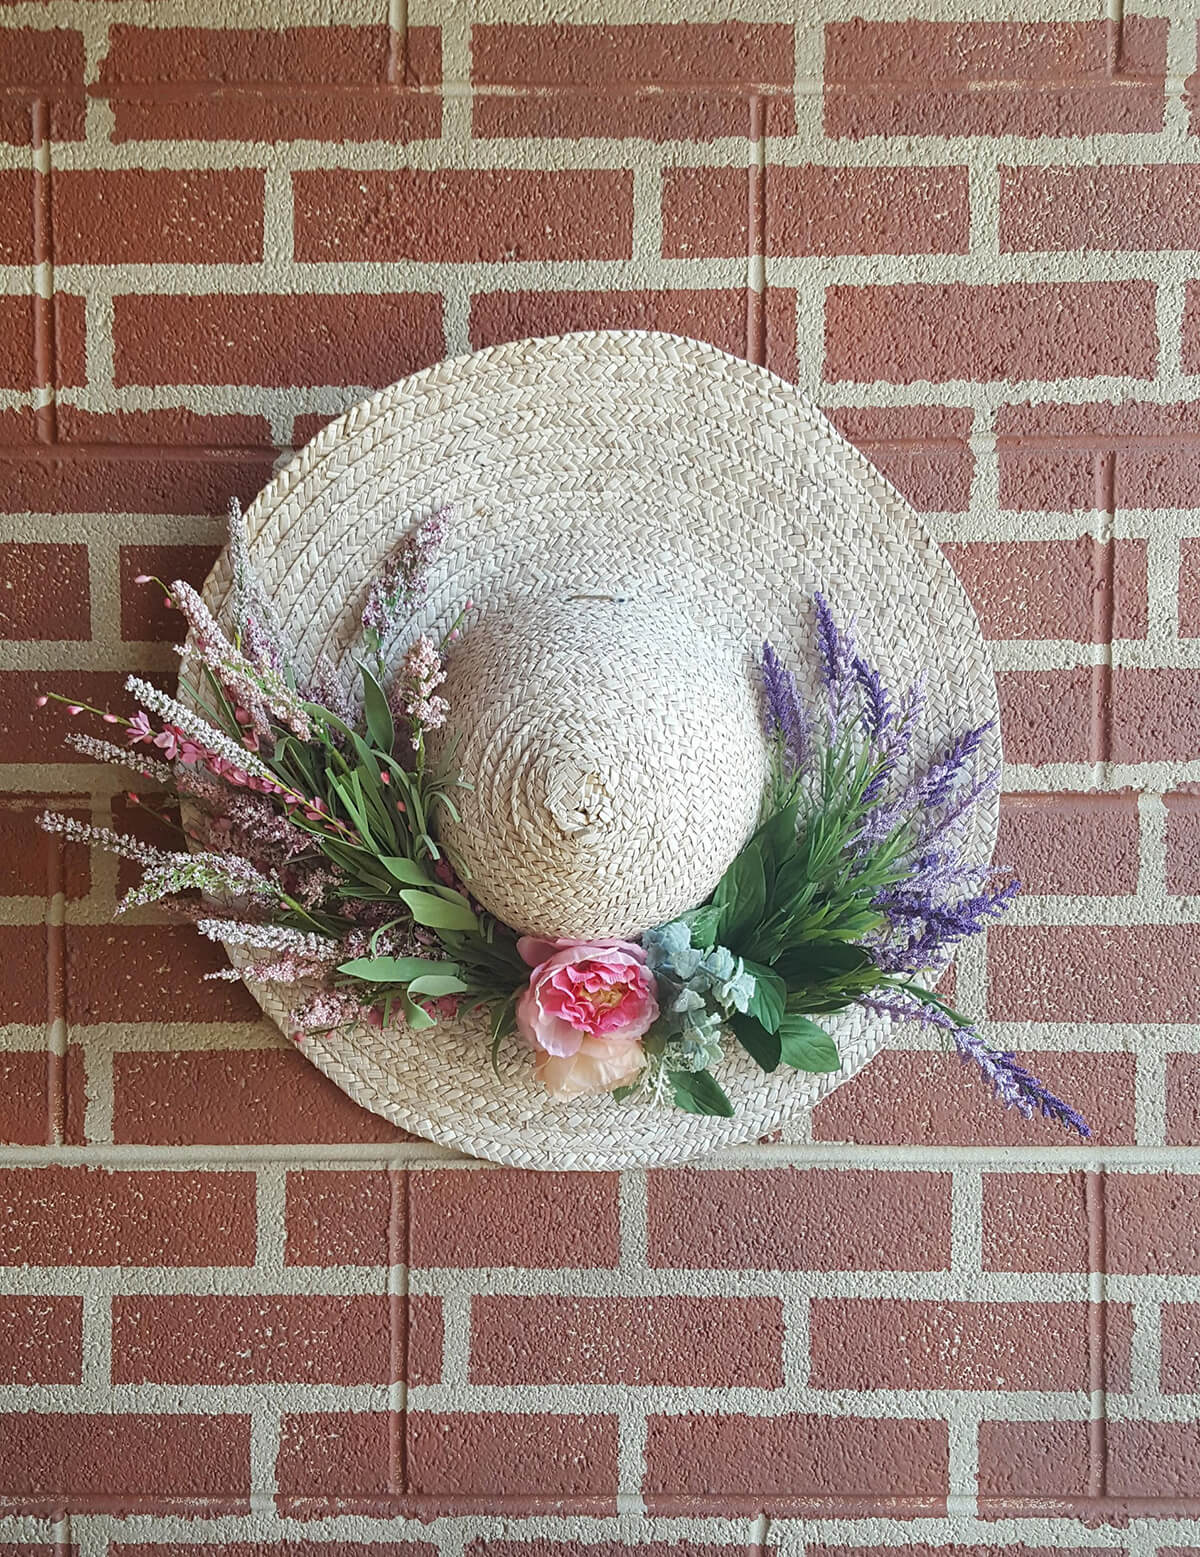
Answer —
614 460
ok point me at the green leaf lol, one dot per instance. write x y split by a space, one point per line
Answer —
704 924
742 896
815 962
404 870
435 985
379 716
696 1092
762 1047
619 1094
437 913
394 970
805 1046
357 863
770 996
504 1021
416 1018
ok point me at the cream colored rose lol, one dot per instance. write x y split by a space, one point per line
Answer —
598 1065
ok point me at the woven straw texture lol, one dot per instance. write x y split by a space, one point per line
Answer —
632 514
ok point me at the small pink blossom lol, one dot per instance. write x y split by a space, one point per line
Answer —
599 990
139 729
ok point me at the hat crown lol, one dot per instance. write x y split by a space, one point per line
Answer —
616 763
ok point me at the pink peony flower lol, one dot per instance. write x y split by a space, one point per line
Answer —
596 1066
586 990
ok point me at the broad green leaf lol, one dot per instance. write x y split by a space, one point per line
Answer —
437 913
805 1046
763 1047
704 923
742 894
814 962
416 1018
394 970
434 985
378 715
770 996
406 871
696 1092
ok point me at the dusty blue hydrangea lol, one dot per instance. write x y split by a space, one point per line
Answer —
697 992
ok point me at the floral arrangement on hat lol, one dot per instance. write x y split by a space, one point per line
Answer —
309 838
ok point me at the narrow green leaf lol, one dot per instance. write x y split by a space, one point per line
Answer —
805 1046
762 1047
696 1092
394 970
436 913
378 715
770 995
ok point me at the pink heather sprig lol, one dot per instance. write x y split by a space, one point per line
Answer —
286 969
216 875
258 690
325 1011
400 585
215 742
414 697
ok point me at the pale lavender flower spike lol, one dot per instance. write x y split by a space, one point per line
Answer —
787 717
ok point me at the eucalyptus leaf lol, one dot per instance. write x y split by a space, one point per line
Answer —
438 913
394 970
436 985
806 1046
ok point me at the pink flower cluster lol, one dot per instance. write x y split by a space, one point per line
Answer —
585 1008
415 699
177 746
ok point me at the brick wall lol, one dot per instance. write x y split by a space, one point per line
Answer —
239 1314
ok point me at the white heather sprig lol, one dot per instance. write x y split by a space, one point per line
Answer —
104 838
287 969
254 689
253 614
272 938
121 756
216 875
203 733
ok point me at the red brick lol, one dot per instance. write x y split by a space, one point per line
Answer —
812 1466
41 85
799 1219
42 1096
1152 1223
921 1549
23 982
1183 1100
1050 1461
344 1218
992 78
681 1341
44 591
508 1218
141 216
80 1216
1135 454
909 1097
915 332
259 84
306 427
1156 715
67 480
464 215
91 1463
1183 841
33 863
717 316
1054 715
1189 588
274 1340
150 973
41 340
144 612
264 339
1036 1222
16 216
882 1343
41 1340
1180 1368
451 1460
921 449
230 1097
1081 845
1082 590
1106 208
817 210
678 81
1092 973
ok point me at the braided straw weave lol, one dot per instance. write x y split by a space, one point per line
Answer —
632 514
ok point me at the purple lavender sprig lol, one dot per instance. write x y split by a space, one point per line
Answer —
924 926
787 718
1014 1085
835 650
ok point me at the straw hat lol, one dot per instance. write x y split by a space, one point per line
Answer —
632 514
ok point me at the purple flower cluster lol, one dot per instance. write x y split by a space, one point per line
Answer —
399 585
787 717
